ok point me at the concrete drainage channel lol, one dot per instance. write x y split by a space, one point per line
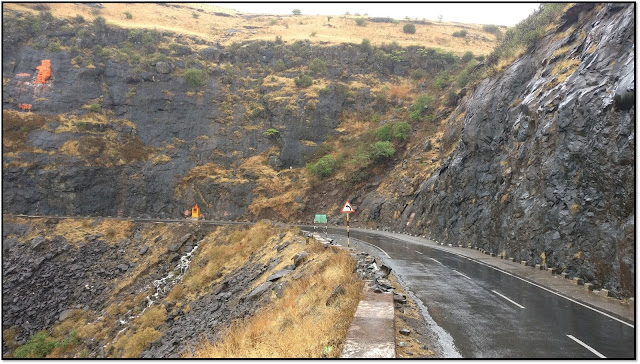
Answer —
372 331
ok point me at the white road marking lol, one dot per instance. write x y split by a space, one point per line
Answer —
375 246
587 346
436 261
505 297
462 274
418 252
546 289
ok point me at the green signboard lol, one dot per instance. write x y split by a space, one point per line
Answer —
320 219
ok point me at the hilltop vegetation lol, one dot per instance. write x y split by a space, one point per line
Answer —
227 26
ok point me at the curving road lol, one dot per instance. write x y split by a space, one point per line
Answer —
479 311
490 313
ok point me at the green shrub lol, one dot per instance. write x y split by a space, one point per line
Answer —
296 12
278 39
418 74
460 33
272 133
527 32
361 22
400 131
324 167
273 22
358 176
39 346
422 103
490 28
279 66
317 66
79 19
128 15
468 55
46 16
383 133
465 74
195 77
409 28
382 151
195 15
83 33
99 24
303 81
442 80
54 45
365 46
99 52
95 108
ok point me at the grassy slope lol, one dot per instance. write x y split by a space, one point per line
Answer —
291 28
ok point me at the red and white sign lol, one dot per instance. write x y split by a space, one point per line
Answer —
347 208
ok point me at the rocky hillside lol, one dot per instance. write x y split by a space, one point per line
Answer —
543 165
141 122
106 288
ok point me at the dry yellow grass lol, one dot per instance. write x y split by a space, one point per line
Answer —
133 345
75 230
291 28
275 192
299 324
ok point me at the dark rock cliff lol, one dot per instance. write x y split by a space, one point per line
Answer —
125 75
544 167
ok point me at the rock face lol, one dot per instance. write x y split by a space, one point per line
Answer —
544 168
220 122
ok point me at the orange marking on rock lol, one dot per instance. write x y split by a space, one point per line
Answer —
44 71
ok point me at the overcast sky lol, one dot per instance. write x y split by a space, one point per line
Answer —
478 13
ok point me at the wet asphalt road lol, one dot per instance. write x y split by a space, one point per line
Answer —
490 314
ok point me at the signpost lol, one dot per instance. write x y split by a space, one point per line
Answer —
320 219
347 209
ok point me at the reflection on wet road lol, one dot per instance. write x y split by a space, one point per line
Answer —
490 314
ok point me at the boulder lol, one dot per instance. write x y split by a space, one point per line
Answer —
300 258
337 292
163 67
258 291
123 267
277 275
143 250
37 242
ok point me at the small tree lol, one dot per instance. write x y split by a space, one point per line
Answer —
296 12
128 15
409 28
